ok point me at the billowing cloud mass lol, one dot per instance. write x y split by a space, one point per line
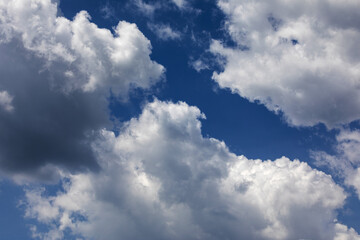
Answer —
346 162
56 74
300 57
161 179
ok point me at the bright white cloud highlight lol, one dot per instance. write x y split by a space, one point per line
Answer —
298 57
161 179
94 57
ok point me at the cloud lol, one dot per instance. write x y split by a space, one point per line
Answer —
164 32
6 101
180 3
94 57
344 233
147 8
199 65
56 75
299 58
161 179
47 126
345 163
108 11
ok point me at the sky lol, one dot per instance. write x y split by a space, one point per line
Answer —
179 119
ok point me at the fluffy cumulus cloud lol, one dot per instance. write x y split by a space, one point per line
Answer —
300 57
345 163
56 74
161 179
94 57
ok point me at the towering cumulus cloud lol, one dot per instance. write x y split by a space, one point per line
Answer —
161 179
300 57
55 76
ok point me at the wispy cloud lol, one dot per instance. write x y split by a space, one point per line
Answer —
6 101
345 163
147 8
108 11
164 32
180 3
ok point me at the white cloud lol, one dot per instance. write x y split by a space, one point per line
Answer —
199 65
58 74
345 233
161 179
96 57
147 8
180 3
346 162
301 58
6 101
108 11
164 32
54 234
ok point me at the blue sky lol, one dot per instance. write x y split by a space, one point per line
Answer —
179 119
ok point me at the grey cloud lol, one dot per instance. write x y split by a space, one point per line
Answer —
56 75
46 126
